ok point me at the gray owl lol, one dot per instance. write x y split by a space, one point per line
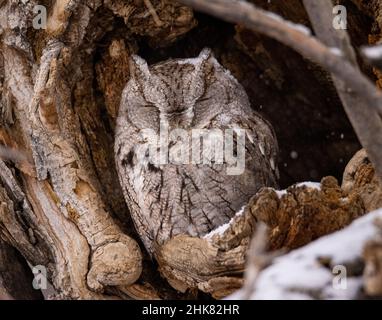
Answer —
190 151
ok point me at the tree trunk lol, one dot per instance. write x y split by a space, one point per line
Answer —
61 204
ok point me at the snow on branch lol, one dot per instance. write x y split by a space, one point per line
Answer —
373 53
311 272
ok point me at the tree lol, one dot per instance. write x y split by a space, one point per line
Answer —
61 83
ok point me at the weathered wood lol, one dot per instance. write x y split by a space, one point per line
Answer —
61 203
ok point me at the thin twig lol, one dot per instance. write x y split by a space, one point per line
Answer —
366 120
18 157
153 13
14 155
257 259
321 17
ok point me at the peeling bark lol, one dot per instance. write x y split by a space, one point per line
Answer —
61 203
64 197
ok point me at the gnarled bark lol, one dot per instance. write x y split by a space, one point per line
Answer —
61 204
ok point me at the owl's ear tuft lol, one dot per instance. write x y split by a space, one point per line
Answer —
206 58
203 64
205 54
138 68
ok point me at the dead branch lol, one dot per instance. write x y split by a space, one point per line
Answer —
366 120
12 154
320 13
257 259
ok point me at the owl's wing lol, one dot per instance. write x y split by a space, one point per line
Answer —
210 195
260 144
263 147
131 172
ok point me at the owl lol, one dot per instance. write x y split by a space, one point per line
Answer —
190 151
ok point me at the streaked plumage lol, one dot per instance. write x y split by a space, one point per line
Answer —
169 199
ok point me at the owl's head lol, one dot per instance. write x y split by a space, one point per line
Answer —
168 90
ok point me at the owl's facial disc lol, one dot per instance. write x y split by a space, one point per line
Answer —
174 97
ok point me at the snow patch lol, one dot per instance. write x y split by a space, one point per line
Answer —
295 26
298 274
220 230
309 184
281 193
336 51
373 53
